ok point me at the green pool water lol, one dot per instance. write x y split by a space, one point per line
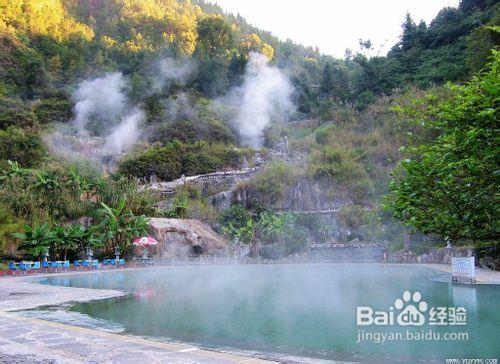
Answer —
299 310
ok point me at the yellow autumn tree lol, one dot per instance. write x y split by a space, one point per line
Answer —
252 43
41 17
175 22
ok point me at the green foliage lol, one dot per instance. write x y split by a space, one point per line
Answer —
343 167
203 128
212 50
254 232
171 161
431 54
179 207
353 216
236 215
14 112
119 226
265 227
9 224
272 182
58 195
36 240
448 186
53 109
112 190
21 145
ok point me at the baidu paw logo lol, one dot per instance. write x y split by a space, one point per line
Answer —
412 307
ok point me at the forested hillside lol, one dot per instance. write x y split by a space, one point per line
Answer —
171 87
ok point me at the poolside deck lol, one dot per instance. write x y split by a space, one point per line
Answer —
41 340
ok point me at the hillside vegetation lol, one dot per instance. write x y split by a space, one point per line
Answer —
177 67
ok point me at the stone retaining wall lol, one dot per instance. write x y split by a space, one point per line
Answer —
209 184
441 255
348 253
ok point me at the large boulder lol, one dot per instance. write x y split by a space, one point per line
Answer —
184 237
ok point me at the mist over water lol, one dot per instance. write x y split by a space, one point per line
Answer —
302 310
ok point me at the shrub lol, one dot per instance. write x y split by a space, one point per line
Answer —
23 146
14 112
237 215
341 165
273 181
171 161
352 216
53 109
9 224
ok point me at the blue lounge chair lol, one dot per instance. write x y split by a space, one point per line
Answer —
121 263
46 266
12 267
95 264
76 263
55 265
24 267
66 265
36 266
85 263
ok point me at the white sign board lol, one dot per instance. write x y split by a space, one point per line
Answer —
463 268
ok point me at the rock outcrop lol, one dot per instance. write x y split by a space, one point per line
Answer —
183 237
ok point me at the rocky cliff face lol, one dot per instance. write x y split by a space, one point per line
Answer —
300 196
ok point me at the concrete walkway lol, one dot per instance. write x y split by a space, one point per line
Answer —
483 276
45 341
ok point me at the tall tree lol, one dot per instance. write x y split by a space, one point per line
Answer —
450 185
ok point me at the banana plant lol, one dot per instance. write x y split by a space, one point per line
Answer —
36 240
14 171
75 237
120 226
45 182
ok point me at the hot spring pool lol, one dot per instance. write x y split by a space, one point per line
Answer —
302 310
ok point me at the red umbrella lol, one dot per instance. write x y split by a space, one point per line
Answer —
145 241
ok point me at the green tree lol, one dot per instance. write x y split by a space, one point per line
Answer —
214 37
120 226
74 237
255 232
449 186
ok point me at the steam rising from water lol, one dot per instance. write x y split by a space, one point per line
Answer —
264 95
126 134
101 110
99 100
169 72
